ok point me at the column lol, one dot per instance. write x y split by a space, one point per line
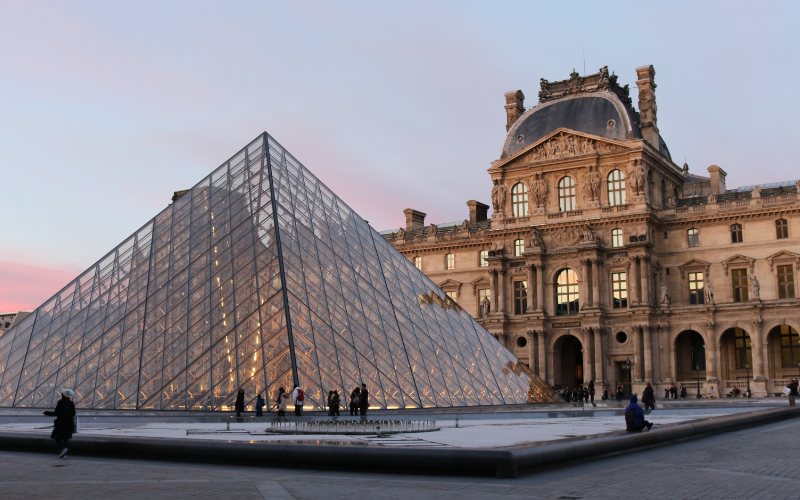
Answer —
543 354
596 283
757 341
644 271
587 358
599 377
493 289
540 287
632 279
711 368
530 288
672 370
637 359
582 288
551 379
531 334
501 286
648 354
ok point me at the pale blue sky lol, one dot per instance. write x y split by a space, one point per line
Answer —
106 108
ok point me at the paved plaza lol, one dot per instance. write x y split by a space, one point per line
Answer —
760 463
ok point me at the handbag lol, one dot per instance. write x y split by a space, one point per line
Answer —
787 391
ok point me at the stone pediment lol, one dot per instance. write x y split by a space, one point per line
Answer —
782 256
449 284
738 260
562 143
479 282
694 264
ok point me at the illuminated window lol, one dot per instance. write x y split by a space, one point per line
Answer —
450 261
785 282
616 238
694 237
566 194
483 255
743 353
520 297
519 247
418 263
452 294
616 188
519 199
736 233
484 293
567 297
696 284
781 229
619 288
790 347
740 290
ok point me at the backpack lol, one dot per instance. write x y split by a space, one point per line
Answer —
300 396
630 418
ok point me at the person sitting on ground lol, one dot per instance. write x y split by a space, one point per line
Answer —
634 417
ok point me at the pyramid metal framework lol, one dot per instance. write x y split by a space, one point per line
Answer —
259 276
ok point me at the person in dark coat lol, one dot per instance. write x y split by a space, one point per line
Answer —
591 390
354 397
334 405
64 424
566 394
649 398
363 400
792 391
586 395
634 417
259 406
239 402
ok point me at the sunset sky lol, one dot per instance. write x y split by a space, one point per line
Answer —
106 108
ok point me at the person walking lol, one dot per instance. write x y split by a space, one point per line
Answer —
363 400
666 392
354 397
792 392
634 417
283 397
649 397
334 405
591 390
330 408
64 424
259 405
297 398
620 392
239 405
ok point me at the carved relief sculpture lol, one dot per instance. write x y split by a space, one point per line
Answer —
538 191
536 240
566 237
756 288
593 181
565 145
588 233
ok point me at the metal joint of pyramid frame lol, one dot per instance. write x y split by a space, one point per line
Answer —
257 277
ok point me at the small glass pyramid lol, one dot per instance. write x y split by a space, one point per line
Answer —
259 276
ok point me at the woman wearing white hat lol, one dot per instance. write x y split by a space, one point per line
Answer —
64 424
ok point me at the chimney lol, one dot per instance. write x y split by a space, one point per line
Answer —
414 219
514 107
647 103
477 211
717 180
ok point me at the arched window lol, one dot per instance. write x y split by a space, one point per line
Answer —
616 238
519 199
616 188
781 229
694 237
450 261
566 194
736 233
519 247
567 299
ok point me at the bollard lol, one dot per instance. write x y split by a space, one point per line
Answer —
227 426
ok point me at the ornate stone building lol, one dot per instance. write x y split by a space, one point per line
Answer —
601 250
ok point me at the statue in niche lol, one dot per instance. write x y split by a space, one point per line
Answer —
486 307
499 197
432 229
401 234
593 181
665 301
756 288
756 192
638 177
538 191
708 289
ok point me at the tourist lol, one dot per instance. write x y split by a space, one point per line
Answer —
283 397
333 406
330 410
354 397
363 400
620 392
239 405
565 394
591 390
683 391
586 396
711 395
649 397
605 394
297 398
674 391
259 405
666 392
792 391
634 417
64 425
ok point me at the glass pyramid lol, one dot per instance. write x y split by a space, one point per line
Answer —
259 276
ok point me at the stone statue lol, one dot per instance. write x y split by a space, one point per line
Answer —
538 191
588 232
670 201
499 198
637 176
664 295
712 198
432 229
756 288
756 192
401 234
709 291
466 225
593 180
486 306
536 239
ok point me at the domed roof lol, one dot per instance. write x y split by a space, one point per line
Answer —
594 104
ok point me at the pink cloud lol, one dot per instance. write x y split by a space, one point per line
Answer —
24 287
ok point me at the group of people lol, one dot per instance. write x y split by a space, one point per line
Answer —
578 394
359 402
674 392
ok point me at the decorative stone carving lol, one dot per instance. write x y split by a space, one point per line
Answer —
563 145
756 192
466 225
496 250
588 234
486 306
708 289
665 300
756 286
593 182
499 197
670 202
638 177
566 237
432 229
712 198
401 234
597 82
538 191
536 240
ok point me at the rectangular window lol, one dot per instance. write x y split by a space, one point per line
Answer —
418 263
617 238
736 233
694 238
785 282
790 347
520 297
743 354
483 294
696 292
740 290
484 254
619 287
519 247
781 229
452 294
450 261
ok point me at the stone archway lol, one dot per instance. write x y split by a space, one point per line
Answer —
568 362
783 352
690 352
736 355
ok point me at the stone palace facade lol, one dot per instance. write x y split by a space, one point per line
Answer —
601 250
